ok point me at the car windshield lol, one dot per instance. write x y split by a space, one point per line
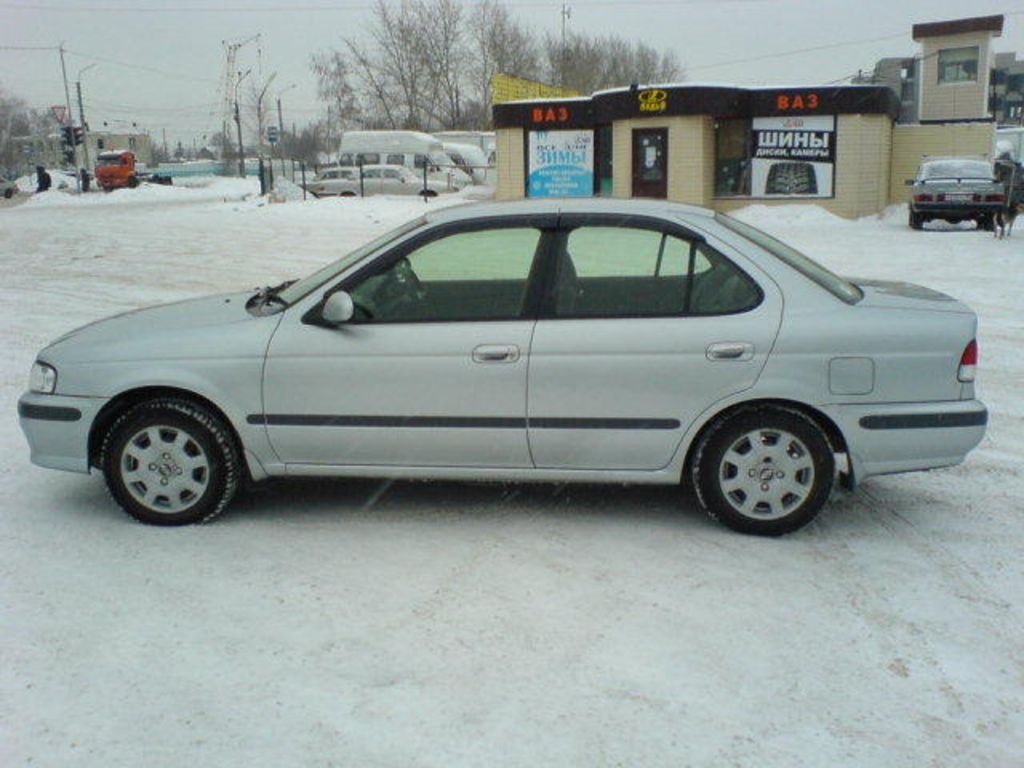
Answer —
839 287
109 159
300 288
956 169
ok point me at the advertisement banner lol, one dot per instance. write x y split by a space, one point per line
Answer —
793 156
560 164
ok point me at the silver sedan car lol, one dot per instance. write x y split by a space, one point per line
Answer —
593 341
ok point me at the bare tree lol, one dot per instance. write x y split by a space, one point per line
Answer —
498 44
333 84
429 64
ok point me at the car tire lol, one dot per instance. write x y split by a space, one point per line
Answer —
133 182
8 193
987 223
427 193
171 462
764 471
916 220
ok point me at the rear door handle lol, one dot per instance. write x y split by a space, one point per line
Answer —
496 353
730 350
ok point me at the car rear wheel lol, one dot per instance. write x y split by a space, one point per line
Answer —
170 462
765 471
8 193
916 220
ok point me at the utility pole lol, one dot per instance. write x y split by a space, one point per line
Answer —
259 109
81 116
71 119
238 125
566 15
241 153
280 120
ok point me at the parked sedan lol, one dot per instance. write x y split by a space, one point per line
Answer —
377 180
593 341
956 189
335 181
8 188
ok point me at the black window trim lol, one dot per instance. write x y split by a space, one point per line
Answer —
545 223
569 221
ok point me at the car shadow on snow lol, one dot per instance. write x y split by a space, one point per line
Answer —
321 499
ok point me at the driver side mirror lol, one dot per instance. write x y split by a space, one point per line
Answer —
338 308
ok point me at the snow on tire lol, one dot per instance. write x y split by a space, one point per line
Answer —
170 462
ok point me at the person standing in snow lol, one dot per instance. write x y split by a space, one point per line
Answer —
85 179
43 180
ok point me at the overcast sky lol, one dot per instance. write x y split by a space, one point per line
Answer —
182 41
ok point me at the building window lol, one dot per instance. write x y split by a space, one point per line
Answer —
100 144
775 157
603 161
732 158
958 65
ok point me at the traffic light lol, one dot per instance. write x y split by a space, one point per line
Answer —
78 135
68 135
69 156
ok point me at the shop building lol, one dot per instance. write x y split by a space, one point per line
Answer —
725 147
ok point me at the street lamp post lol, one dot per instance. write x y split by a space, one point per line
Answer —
280 116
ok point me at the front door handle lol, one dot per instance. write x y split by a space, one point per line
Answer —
730 350
496 353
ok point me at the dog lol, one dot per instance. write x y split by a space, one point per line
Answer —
1006 214
1004 218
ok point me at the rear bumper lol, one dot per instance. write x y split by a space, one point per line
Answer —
907 437
57 429
952 210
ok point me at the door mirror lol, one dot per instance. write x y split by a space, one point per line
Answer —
338 308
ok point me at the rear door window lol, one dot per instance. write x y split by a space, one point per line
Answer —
616 271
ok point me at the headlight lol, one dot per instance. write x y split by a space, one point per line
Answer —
42 379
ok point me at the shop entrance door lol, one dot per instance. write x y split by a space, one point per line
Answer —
650 162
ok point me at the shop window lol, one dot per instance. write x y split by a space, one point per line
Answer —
775 156
603 161
732 158
958 65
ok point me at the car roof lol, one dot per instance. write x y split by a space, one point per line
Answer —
629 207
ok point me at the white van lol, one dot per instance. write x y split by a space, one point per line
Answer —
469 158
484 139
409 148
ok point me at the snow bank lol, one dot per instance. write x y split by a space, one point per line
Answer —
195 190
784 216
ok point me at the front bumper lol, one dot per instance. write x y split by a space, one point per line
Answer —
57 429
907 437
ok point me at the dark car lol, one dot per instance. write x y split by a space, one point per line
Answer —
956 189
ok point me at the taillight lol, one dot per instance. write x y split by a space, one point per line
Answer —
968 362
922 198
995 198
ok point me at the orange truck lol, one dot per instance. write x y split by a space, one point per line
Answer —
116 169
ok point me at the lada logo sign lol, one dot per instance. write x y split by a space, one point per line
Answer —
653 100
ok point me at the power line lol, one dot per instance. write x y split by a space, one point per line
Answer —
141 67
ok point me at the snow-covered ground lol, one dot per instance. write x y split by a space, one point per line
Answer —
369 624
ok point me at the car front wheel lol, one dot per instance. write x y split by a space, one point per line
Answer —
765 471
171 462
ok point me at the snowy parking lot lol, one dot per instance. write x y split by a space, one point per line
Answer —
371 624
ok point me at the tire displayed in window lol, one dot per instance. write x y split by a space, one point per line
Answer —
791 178
765 471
